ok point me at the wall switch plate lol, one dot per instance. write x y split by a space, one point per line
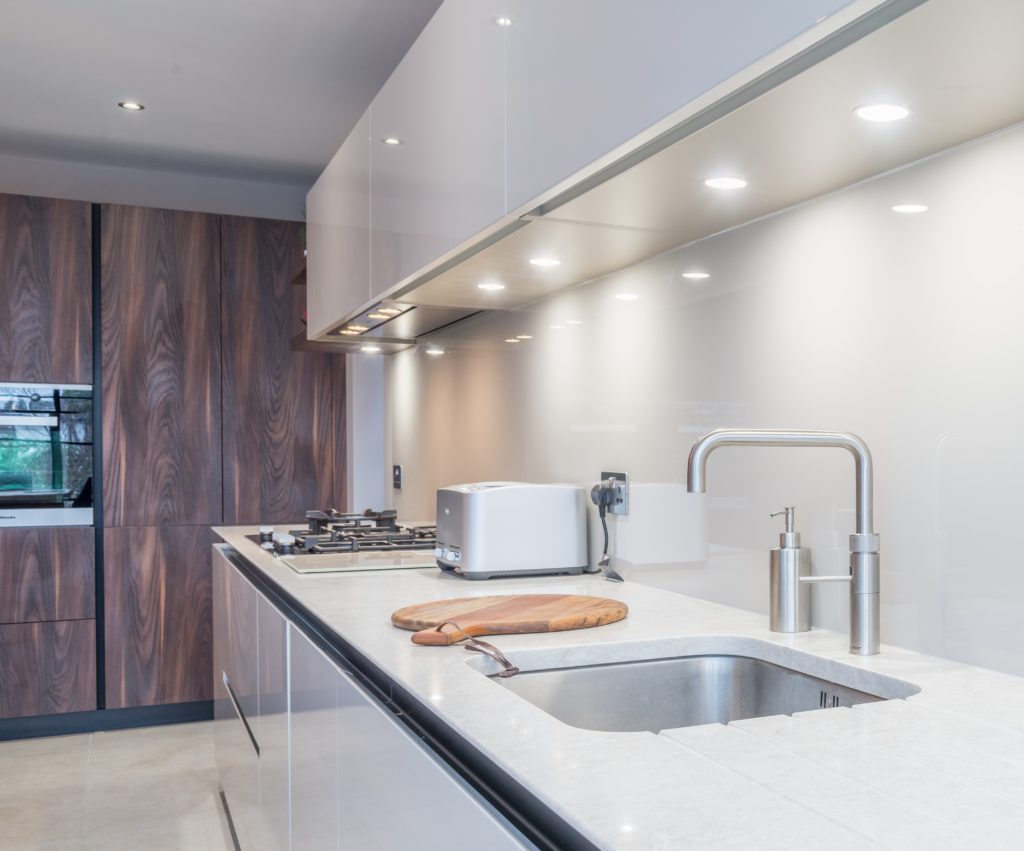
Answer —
396 476
621 486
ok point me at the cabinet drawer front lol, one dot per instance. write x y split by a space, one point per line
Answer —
47 668
47 574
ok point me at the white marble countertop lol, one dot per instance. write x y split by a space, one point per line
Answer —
941 769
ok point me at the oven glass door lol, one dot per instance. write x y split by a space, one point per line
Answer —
45 448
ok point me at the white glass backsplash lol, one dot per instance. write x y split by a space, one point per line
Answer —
839 314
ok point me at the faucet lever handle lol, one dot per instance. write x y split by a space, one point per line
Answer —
790 512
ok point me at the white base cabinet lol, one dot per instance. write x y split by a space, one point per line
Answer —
272 728
313 720
310 760
235 690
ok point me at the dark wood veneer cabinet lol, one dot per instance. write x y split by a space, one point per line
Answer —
158 624
283 410
47 668
47 574
161 367
45 291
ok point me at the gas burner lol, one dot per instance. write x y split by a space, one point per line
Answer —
323 521
331 531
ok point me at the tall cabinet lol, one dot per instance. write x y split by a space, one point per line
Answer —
47 575
161 386
209 418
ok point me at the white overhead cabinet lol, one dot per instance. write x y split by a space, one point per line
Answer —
481 123
586 76
338 234
442 180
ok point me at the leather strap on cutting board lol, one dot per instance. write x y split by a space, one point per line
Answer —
505 614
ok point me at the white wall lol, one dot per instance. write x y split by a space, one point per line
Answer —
76 181
366 461
839 314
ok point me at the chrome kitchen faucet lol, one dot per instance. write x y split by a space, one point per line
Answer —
864 557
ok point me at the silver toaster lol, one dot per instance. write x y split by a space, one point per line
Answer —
491 529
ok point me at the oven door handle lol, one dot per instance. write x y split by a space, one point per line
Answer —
30 421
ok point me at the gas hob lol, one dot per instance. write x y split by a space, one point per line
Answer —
333 542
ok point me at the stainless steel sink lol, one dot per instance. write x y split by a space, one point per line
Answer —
681 692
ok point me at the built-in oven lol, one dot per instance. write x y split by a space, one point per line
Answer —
46 455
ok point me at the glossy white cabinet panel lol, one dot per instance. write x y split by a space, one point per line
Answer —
338 234
313 720
445 103
235 690
585 76
395 794
272 727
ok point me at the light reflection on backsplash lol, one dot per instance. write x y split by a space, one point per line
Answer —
837 315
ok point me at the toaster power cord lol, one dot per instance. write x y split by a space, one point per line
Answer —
603 495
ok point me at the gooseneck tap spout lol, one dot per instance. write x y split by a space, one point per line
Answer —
864 543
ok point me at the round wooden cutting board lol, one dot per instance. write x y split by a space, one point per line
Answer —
505 614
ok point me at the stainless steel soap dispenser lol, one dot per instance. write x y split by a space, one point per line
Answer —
790 608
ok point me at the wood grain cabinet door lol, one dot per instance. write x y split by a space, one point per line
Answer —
161 367
45 291
158 622
47 574
47 668
283 410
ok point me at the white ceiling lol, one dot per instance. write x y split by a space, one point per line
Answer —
256 89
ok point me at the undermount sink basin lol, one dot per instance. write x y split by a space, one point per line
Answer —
661 694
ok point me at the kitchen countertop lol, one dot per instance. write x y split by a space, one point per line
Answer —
943 768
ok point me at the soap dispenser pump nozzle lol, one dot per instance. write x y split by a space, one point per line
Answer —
789 538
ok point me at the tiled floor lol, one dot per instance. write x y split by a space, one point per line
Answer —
152 789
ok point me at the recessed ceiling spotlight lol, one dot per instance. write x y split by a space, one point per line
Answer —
627 296
391 140
490 286
378 316
435 351
882 112
369 349
696 276
357 328
390 311
557 327
131 105
348 332
524 336
504 21
512 340
909 208
725 182
545 262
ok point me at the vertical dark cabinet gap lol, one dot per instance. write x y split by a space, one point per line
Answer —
96 217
